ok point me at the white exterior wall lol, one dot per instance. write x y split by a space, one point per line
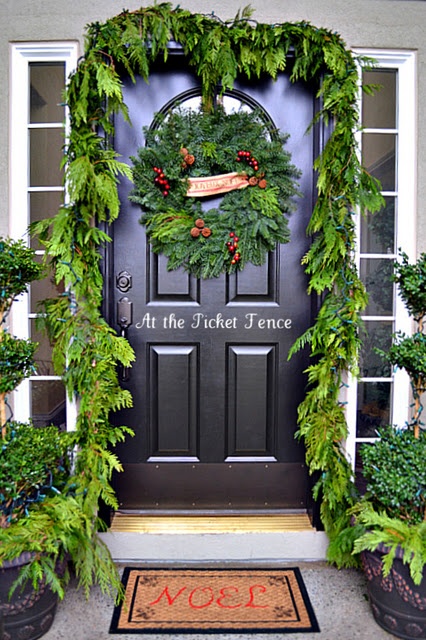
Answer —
386 24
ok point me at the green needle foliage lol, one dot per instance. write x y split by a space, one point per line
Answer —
254 214
218 52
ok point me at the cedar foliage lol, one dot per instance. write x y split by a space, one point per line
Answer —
218 51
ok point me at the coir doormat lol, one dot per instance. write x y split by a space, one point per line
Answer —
214 601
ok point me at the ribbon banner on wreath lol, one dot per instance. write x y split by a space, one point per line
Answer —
192 157
214 185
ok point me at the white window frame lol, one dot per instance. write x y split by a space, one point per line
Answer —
21 55
406 131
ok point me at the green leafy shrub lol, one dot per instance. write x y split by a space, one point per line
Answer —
34 464
16 361
17 269
395 470
411 281
408 352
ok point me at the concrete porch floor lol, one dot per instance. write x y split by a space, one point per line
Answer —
338 597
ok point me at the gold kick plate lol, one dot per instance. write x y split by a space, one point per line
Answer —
125 523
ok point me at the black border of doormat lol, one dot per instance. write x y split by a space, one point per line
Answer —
219 630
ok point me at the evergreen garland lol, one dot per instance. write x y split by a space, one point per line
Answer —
248 222
87 351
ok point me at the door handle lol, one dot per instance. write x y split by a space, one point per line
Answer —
124 320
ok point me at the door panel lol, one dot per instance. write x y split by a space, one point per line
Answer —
215 399
173 372
252 390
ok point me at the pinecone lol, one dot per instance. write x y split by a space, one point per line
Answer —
195 232
206 232
199 223
253 181
189 159
184 151
262 183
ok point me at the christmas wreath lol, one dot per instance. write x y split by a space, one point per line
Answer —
192 156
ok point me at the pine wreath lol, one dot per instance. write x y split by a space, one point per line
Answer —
238 148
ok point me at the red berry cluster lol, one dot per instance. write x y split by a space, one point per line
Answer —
247 157
232 248
161 181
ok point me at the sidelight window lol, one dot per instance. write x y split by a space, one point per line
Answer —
381 396
38 128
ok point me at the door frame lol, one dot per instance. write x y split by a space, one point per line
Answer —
321 133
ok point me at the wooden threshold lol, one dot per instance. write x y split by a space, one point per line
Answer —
186 524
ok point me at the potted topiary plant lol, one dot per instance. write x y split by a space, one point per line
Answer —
31 460
34 465
390 519
44 520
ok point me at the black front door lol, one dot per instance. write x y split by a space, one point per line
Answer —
215 399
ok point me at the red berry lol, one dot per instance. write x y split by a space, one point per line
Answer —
236 239
232 234
233 261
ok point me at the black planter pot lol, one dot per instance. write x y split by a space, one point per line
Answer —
398 605
28 614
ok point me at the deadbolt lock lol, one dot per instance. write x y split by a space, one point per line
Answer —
123 281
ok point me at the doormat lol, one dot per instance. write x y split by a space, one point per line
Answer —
213 601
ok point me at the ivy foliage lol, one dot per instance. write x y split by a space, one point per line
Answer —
211 142
87 350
